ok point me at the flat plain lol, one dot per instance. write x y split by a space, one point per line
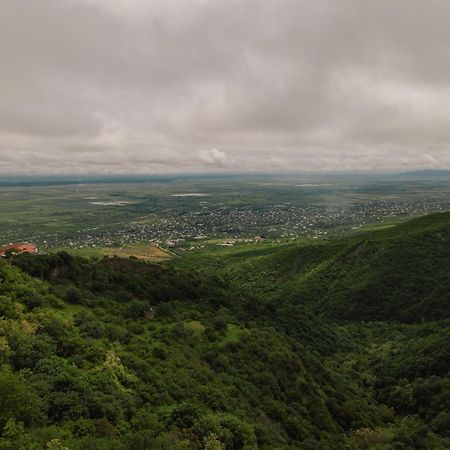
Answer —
189 213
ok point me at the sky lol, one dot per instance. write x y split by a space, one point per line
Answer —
166 86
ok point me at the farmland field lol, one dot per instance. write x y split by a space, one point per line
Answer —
144 252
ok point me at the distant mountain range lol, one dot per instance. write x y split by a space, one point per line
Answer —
426 173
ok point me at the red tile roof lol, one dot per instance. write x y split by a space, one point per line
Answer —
18 247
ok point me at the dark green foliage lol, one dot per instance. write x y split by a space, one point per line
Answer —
399 274
73 295
120 354
144 356
17 401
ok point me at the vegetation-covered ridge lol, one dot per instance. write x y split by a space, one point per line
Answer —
236 351
398 274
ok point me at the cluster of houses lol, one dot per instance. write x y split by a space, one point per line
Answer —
232 224
17 247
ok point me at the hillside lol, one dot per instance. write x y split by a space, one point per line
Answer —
241 349
127 355
398 274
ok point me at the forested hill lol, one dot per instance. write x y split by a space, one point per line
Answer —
118 354
396 274
244 350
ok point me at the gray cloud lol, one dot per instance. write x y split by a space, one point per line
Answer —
191 85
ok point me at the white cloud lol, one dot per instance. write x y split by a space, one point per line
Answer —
213 157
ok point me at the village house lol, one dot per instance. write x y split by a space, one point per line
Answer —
18 247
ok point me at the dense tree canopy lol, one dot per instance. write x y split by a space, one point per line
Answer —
120 354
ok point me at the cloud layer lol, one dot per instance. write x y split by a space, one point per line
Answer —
205 85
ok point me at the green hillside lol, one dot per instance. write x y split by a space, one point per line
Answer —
396 274
119 354
328 345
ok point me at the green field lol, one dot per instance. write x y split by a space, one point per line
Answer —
143 252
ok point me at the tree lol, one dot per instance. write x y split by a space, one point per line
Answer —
73 295
16 400
212 442
14 437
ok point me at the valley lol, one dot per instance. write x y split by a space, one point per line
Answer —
332 344
186 213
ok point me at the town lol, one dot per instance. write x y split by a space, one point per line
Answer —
249 224
187 214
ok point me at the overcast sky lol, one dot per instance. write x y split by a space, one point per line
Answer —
156 86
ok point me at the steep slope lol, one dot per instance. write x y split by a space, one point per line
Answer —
127 355
396 274
391 287
122 354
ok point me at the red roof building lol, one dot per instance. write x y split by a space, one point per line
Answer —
18 247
